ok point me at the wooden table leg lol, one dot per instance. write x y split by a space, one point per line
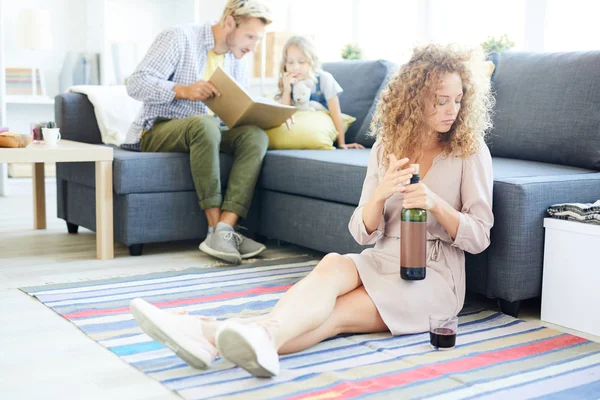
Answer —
39 197
104 211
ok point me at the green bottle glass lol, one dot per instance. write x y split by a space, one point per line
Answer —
413 239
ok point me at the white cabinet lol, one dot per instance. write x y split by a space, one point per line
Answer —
571 282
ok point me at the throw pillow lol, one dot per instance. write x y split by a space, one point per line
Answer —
312 130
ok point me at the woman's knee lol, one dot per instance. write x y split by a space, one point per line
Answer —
203 128
334 266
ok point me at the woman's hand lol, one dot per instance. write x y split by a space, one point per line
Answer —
288 80
393 179
418 195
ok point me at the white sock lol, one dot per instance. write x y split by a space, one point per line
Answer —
222 226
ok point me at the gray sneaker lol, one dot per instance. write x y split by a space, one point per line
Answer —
223 245
250 248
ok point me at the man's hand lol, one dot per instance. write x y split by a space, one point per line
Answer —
200 90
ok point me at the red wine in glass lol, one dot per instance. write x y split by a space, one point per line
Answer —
442 338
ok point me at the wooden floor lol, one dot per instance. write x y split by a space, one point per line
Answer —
43 356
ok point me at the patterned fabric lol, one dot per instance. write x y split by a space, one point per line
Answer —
588 213
177 56
496 356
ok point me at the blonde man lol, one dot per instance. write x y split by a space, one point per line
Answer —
173 81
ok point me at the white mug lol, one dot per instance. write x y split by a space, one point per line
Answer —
51 136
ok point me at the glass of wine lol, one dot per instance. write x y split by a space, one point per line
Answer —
442 332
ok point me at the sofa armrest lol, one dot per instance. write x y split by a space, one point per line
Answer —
516 253
75 117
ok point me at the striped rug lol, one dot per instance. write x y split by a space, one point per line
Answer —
496 356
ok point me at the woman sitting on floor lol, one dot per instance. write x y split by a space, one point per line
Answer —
434 112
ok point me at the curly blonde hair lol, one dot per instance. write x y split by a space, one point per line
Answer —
399 122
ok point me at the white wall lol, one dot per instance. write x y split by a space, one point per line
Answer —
68 34
209 10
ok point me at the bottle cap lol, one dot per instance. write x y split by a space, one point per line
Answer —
415 177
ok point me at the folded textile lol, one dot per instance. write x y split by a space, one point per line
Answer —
114 110
580 212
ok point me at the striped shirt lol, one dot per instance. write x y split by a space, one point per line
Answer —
177 56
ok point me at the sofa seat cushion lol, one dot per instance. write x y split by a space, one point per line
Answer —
137 172
338 175
334 175
509 169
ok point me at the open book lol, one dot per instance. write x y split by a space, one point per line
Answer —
236 107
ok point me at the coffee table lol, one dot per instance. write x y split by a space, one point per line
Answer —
71 151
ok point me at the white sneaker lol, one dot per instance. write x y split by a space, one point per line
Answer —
249 346
180 333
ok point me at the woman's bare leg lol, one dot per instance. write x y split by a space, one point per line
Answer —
354 312
308 304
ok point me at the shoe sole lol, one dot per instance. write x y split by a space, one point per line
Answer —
254 253
230 258
171 340
233 346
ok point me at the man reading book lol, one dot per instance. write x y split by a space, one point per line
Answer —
173 82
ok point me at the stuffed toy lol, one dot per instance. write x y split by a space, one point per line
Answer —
301 96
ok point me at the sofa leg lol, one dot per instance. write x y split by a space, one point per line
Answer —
136 249
509 307
72 228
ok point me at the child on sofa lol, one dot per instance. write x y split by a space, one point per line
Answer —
299 61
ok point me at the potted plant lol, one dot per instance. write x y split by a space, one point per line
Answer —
352 52
497 45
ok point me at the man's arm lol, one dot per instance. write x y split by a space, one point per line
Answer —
150 82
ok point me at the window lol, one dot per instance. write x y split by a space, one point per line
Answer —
329 22
572 25
388 29
471 22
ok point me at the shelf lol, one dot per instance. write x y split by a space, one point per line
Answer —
29 100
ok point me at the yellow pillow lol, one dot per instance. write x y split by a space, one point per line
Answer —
312 130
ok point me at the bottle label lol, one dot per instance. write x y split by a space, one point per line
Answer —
413 244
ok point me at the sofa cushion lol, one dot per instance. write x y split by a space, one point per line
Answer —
548 108
311 130
338 175
334 175
520 204
138 172
362 81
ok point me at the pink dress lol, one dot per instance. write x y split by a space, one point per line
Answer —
405 306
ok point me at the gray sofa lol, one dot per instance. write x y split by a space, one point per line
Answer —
545 147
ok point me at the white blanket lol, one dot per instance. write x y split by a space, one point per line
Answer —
115 110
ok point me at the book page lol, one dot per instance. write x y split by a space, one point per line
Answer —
236 107
267 115
233 102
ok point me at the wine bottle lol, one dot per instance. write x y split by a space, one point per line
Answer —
413 239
